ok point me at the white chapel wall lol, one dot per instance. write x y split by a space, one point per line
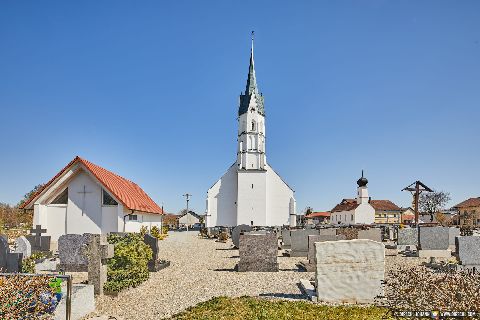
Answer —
221 200
278 200
251 202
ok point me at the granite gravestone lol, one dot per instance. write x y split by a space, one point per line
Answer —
300 242
70 252
258 252
9 262
468 251
453 232
407 237
97 251
434 238
154 264
286 239
38 242
328 232
23 246
349 271
374 234
236 233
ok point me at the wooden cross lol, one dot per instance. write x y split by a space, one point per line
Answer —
84 192
37 233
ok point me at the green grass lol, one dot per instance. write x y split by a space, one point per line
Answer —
250 308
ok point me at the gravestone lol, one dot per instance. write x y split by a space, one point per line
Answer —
328 232
349 271
300 242
374 234
154 264
236 233
468 251
97 251
258 252
286 239
434 238
38 242
22 245
70 252
453 232
350 233
407 237
9 262
320 238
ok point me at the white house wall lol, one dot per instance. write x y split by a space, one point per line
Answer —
365 214
55 220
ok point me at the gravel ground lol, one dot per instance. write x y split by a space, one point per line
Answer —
201 269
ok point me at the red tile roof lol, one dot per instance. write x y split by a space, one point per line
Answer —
346 205
384 205
472 202
318 214
127 192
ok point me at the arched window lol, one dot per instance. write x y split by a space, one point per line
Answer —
253 125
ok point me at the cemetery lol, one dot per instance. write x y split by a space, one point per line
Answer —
146 89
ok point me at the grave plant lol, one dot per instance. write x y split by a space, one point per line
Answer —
129 265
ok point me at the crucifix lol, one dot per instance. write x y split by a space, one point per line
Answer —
84 192
37 233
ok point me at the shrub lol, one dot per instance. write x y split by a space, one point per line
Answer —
165 230
143 230
25 297
28 264
419 288
128 267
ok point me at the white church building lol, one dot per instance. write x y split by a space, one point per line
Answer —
86 198
354 211
250 192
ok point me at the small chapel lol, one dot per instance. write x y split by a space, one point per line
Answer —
86 198
250 192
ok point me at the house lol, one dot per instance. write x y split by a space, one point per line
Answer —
407 215
386 212
318 217
190 220
469 212
354 211
170 221
86 198
250 192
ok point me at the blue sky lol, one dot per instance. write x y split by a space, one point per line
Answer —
149 90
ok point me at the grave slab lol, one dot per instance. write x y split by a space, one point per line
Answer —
468 250
236 233
434 238
286 239
349 271
258 252
374 234
435 253
300 242
22 245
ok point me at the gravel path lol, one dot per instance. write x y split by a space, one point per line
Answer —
200 269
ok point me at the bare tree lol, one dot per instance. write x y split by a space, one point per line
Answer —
433 202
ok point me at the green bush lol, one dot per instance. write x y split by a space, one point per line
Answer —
165 230
28 264
155 232
128 267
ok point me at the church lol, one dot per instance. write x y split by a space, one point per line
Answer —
250 192
86 198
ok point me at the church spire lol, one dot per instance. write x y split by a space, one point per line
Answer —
251 80
251 89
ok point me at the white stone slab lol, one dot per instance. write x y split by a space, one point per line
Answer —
349 271
83 302
435 253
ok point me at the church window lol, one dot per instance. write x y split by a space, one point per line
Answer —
108 200
252 185
62 198
253 125
351 217
133 217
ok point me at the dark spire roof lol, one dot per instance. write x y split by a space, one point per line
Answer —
251 89
362 182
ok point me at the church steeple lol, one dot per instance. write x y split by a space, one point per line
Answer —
251 89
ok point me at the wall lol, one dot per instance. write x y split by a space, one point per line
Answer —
252 202
221 200
278 199
365 214
143 220
55 220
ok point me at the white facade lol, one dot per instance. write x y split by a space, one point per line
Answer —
84 211
250 192
361 212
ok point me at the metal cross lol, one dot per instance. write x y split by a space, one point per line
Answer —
84 192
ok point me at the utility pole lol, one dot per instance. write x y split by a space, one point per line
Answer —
187 197
416 191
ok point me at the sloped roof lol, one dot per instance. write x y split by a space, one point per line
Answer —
325 214
384 205
472 202
345 205
127 192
